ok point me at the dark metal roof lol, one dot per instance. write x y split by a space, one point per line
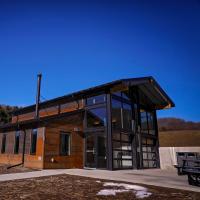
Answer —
147 85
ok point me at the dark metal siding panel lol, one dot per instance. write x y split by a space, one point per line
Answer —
10 142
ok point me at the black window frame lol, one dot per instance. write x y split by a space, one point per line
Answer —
123 102
68 152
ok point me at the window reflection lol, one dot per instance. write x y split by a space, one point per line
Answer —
147 122
96 99
127 116
144 125
96 117
116 114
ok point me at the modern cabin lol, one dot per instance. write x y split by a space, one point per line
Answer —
111 126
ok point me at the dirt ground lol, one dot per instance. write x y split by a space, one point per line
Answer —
66 187
4 170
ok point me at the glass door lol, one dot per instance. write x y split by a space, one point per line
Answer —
95 150
90 151
101 151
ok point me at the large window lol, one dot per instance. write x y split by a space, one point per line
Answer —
122 150
17 135
33 141
127 116
96 99
3 146
149 153
122 134
96 117
147 122
116 114
121 115
64 144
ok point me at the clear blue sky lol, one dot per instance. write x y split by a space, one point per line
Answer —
79 44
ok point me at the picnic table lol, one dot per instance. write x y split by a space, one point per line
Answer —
191 168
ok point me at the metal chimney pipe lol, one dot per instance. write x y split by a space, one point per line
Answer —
39 78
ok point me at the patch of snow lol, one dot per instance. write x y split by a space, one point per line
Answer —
107 192
140 192
98 181
126 186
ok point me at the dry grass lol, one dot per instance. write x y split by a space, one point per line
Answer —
66 187
4 170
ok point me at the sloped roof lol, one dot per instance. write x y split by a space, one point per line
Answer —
148 87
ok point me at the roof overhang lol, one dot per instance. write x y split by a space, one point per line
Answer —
150 91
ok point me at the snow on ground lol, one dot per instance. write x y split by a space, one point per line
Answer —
126 186
107 192
140 192
98 181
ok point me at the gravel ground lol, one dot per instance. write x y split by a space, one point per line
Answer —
4 170
66 187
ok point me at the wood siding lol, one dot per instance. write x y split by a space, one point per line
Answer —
32 161
50 111
52 143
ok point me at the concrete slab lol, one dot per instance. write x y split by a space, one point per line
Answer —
34 174
155 177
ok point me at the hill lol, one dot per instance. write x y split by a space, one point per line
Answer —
168 124
5 116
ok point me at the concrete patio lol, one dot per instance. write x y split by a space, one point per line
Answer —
156 177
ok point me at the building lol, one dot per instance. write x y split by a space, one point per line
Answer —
177 142
111 126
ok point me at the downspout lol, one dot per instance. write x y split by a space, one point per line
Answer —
24 145
36 116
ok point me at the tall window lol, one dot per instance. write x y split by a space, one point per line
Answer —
96 99
127 116
149 153
116 114
3 146
121 115
64 144
96 117
17 134
33 141
147 122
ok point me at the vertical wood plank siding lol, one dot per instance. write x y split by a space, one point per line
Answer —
32 161
52 143
10 141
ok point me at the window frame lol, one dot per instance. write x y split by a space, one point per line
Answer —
99 106
31 145
94 97
69 143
